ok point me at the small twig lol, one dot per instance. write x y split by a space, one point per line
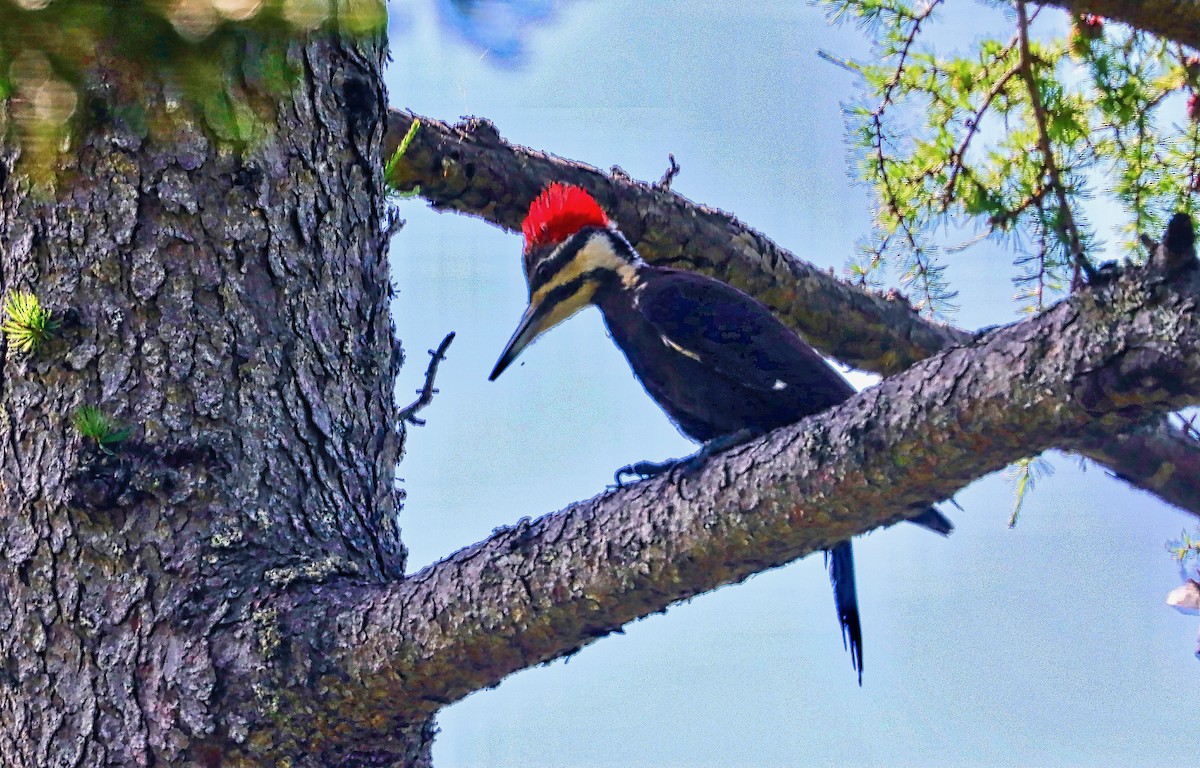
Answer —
917 19
877 256
922 269
877 122
425 394
664 184
960 154
393 225
1009 216
890 199
1189 427
1068 226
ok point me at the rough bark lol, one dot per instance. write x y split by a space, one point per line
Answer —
1101 361
470 169
231 307
1160 457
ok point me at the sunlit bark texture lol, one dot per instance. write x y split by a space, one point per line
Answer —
1102 360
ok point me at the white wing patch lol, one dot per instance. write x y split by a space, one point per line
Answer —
779 384
679 349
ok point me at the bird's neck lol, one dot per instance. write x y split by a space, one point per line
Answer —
609 250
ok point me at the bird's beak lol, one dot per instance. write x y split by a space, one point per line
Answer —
545 311
532 325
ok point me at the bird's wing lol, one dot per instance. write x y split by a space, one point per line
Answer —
734 334
738 337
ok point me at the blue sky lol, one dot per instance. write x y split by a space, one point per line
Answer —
1045 645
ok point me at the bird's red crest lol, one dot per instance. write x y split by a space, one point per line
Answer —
559 212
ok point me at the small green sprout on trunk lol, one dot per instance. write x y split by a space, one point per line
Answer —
389 170
95 424
27 324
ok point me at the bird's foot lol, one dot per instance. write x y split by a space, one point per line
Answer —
643 470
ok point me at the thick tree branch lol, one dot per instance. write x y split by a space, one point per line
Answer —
1177 20
1140 452
1103 360
470 169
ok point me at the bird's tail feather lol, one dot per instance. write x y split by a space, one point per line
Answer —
933 520
840 560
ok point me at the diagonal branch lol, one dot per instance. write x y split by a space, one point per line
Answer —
960 154
1139 452
1104 359
470 169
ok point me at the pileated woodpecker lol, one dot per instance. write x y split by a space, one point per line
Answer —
715 359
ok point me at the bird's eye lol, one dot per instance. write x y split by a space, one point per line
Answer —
541 273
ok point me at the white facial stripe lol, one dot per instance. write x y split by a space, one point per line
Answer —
597 253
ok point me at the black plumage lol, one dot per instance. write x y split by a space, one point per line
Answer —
716 360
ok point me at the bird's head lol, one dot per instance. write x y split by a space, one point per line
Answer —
571 253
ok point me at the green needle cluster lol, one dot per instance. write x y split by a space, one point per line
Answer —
97 425
27 324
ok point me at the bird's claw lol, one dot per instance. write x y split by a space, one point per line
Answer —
689 465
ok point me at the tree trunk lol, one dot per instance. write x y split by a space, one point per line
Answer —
232 309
